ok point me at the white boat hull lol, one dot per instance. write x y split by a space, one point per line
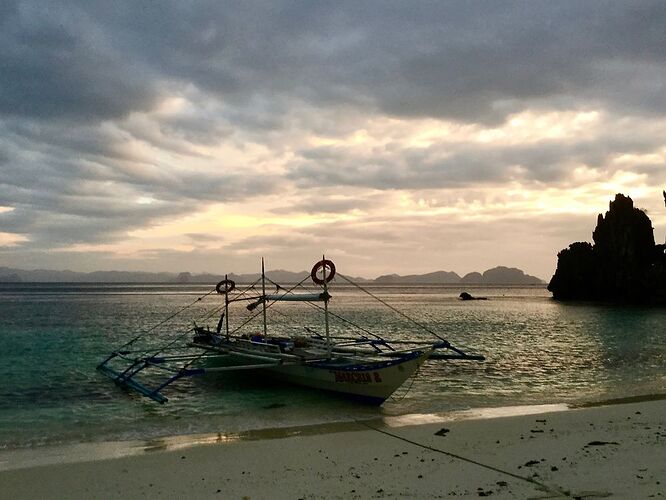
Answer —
372 382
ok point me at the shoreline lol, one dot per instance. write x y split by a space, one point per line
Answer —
85 451
76 452
48 454
592 452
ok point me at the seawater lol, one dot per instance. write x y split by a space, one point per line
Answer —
537 351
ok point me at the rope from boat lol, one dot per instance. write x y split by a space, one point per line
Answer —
208 316
146 332
268 305
397 311
237 297
166 346
411 383
330 313
345 320
351 323
196 358
542 486
204 353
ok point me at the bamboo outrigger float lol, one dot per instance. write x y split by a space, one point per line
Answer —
366 367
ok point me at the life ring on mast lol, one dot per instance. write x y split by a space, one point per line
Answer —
329 269
225 286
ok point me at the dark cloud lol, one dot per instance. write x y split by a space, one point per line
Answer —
56 215
66 141
467 61
80 184
57 63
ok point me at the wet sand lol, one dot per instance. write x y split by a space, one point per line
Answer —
594 452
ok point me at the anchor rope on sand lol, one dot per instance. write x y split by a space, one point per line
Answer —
542 486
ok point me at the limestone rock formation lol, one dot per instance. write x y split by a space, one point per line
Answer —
623 265
576 274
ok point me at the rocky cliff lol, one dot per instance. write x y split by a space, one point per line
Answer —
623 264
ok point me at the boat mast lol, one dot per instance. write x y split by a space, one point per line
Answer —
263 293
329 348
226 308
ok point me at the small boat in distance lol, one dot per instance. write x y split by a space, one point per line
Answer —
364 366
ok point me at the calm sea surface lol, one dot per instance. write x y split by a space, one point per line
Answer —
538 351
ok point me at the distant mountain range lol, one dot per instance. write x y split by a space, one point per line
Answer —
495 276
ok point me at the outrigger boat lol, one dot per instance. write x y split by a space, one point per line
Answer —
366 367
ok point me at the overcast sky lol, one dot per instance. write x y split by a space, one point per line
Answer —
397 136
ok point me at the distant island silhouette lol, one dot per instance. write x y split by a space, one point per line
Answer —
623 265
499 275
496 276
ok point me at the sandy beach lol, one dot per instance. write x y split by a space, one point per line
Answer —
615 450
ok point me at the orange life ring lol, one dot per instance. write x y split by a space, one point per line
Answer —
324 263
225 286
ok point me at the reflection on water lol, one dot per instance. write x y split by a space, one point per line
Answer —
538 352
